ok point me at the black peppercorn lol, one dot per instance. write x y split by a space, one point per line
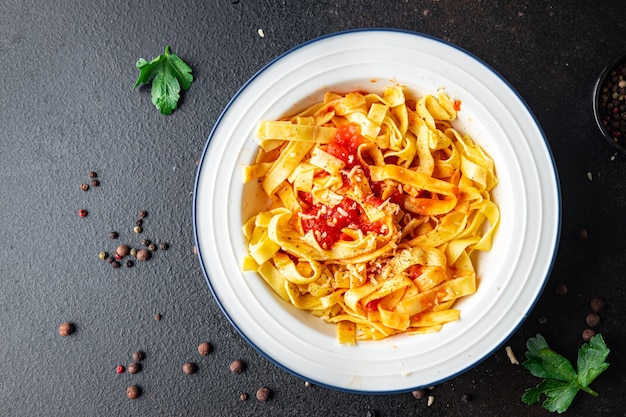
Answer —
114 235
129 264
143 214
145 242
93 174
139 356
95 183
164 246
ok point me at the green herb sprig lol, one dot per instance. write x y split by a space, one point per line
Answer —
168 74
561 382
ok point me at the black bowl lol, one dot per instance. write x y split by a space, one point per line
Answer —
609 103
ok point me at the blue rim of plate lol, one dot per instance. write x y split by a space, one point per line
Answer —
477 361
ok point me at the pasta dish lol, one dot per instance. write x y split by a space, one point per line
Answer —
377 204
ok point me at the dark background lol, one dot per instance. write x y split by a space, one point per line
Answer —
67 107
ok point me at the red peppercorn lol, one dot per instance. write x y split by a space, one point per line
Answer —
82 213
120 369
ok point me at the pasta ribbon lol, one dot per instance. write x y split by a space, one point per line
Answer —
378 205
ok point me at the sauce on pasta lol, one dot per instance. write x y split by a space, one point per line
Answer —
377 204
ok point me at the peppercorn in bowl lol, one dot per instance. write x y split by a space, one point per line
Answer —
509 277
609 103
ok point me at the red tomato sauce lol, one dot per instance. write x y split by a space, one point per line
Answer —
327 223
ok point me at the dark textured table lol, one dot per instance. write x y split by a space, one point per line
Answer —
67 107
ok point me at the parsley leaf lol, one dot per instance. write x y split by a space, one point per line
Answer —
561 382
168 74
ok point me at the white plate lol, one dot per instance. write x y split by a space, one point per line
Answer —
511 276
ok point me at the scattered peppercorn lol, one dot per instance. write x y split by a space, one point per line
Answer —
139 222
137 229
263 394
164 246
146 242
189 368
592 319
134 367
82 213
543 320
120 369
139 356
143 255
110 259
597 304
582 234
129 264
243 396
84 187
204 348
115 264
561 289
157 317
122 251
143 214
152 247
95 183
419 394
133 392
103 255
307 384
133 252
588 334
466 398
237 366
114 235
93 174
66 329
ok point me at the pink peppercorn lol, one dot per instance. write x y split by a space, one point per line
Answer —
82 213
120 369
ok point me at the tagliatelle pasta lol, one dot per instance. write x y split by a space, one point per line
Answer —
376 206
